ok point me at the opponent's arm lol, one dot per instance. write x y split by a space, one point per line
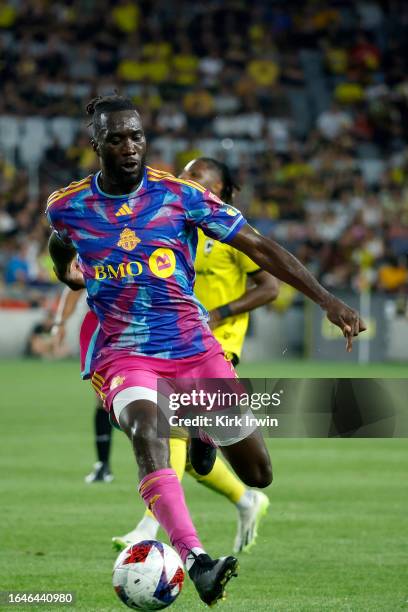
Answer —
66 306
270 256
66 266
266 290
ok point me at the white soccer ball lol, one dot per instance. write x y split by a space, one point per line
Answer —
148 575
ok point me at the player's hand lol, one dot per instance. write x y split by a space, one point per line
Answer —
58 334
347 319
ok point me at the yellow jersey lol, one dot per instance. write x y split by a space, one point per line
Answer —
221 277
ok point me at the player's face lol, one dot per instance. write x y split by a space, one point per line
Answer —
121 146
199 172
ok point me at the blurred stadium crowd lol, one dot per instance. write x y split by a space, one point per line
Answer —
307 102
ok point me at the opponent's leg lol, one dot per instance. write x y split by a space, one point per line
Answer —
251 505
221 480
148 526
202 454
249 458
163 495
103 438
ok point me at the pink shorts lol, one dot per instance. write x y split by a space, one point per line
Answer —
87 338
121 370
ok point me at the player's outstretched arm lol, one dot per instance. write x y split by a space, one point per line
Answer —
265 290
65 265
270 256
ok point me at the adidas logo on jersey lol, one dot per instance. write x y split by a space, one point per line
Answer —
124 210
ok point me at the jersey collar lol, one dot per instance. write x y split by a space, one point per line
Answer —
97 188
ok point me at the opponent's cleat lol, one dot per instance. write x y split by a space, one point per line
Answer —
100 473
133 537
248 522
202 456
210 576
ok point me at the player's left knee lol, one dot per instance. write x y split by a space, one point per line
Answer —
260 476
267 477
264 477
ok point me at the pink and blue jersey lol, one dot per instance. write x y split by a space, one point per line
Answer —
137 255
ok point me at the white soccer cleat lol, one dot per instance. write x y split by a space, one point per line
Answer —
248 521
146 530
122 542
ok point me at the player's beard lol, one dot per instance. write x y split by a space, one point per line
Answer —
132 180
125 182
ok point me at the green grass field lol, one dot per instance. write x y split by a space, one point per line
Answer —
334 539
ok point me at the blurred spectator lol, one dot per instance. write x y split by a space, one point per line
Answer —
349 91
8 15
336 58
185 65
333 122
264 72
126 16
370 14
41 344
365 54
82 66
392 275
210 67
199 107
16 271
171 119
7 222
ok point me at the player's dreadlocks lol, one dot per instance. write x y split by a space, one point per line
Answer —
107 104
228 183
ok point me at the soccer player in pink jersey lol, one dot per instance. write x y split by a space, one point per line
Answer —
128 234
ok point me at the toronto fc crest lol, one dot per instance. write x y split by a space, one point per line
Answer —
117 381
128 240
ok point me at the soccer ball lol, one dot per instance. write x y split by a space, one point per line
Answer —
148 575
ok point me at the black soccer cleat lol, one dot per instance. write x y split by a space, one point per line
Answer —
202 456
210 576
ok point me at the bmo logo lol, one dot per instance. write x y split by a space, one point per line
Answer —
162 262
132 268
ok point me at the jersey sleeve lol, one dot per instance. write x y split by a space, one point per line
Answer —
56 221
217 219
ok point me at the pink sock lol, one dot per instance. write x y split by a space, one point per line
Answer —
163 495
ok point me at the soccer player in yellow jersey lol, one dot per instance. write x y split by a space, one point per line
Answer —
222 272
229 284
